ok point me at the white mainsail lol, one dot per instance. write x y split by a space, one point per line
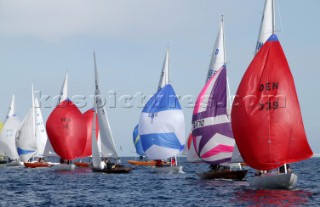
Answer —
26 135
218 54
107 143
64 90
11 111
164 77
96 161
267 24
41 133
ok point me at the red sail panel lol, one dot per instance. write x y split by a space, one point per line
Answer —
266 117
88 116
66 130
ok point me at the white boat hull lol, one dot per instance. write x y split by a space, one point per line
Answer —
275 181
15 164
168 169
69 167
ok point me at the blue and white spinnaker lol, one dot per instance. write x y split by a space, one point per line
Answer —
161 126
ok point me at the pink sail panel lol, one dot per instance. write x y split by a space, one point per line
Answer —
67 132
266 118
88 116
204 97
216 150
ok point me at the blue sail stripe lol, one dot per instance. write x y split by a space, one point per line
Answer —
24 152
167 140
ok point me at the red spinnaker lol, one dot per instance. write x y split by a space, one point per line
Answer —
88 116
67 132
266 118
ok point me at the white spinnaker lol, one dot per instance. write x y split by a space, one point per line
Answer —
169 121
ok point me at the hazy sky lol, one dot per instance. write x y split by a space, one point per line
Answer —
41 39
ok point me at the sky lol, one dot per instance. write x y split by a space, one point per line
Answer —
40 40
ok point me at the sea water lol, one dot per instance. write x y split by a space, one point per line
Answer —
142 187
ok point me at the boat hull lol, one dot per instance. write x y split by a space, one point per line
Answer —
226 174
116 170
146 163
82 164
67 167
14 164
168 169
275 181
37 164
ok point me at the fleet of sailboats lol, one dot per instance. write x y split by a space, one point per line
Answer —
264 127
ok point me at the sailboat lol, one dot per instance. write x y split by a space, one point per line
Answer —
8 136
162 130
31 137
108 149
211 131
66 131
87 153
164 79
266 117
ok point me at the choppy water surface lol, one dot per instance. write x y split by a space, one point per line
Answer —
46 187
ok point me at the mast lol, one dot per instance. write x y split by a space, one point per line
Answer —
273 18
225 64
